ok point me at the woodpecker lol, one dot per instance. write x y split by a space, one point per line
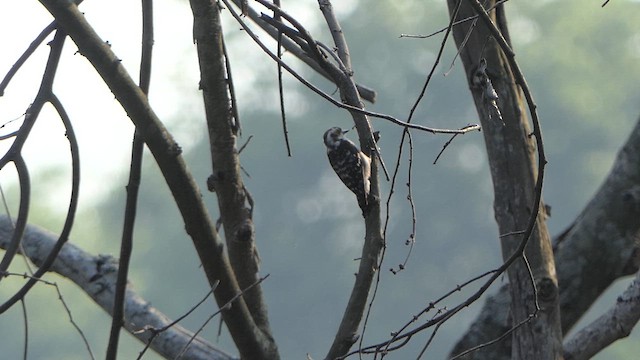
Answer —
351 165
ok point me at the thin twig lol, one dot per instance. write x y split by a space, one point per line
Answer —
338 103
14 152
365 92
496 340
245 144
435 63
27 53
283 114
64 305
21 222
156 332
429 341
458 22
444 147
462 44
224 307
237 127
405 133
414 218
71 211
25 320
131 203
403 337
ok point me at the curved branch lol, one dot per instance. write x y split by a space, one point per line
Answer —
21 223
27 53
14 154
71 211
96 275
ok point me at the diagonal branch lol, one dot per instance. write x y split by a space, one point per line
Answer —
615 324
293 48
167 153
96 276
351 108
603 236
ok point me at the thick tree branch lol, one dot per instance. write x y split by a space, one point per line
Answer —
517 182
96 275
249 339
603 236
226 179
615 324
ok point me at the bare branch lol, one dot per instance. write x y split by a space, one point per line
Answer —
62 301
291 47
96 275
27 53
14 155
351 108
126 246
615 324
167 153
603 236
517 184
226 179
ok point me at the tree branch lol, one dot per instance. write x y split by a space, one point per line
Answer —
96 276
615 324
517 182
226 179
291 47
351 108
135 174
603 236
45 94
249 340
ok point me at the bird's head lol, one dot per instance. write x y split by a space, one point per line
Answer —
333 136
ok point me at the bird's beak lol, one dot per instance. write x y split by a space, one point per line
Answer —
345 131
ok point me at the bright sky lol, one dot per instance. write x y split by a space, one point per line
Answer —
103 130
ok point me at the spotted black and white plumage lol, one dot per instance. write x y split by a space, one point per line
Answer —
352 165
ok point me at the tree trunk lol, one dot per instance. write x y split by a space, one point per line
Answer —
511 152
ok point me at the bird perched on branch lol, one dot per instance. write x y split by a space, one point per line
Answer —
351 165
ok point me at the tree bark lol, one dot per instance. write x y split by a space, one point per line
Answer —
226 179
511 154
603 236
609 327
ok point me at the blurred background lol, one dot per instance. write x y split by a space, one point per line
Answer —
581 62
